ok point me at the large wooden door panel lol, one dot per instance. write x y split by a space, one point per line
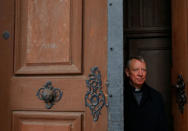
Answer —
180 58
58 41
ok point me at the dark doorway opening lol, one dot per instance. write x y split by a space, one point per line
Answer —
147 32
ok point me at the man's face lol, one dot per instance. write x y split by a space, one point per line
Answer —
136 72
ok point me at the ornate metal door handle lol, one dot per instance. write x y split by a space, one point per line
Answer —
181 98
94 97
49 94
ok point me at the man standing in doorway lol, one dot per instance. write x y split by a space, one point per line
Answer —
144 108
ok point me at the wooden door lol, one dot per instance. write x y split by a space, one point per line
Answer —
180 61
57 41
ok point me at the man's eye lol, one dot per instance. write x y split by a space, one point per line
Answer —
143 69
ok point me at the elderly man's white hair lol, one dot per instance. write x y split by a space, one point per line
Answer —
139 58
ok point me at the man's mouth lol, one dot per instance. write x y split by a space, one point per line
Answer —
140 79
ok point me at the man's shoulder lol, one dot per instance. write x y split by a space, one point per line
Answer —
153 91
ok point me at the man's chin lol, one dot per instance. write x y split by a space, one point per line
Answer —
137 84
140 84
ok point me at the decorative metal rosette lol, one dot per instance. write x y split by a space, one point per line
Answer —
94 97
49 94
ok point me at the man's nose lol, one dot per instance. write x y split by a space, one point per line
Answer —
140 73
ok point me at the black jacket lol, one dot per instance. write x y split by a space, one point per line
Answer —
149 115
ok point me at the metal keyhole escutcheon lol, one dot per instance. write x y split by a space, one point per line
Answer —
181 98
49 94
94 97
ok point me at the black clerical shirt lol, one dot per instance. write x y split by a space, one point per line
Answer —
146 115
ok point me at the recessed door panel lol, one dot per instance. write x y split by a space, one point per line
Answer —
46 121
47 35
73 90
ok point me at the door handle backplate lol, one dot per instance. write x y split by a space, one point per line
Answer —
49 94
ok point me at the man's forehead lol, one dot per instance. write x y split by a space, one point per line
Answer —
135 62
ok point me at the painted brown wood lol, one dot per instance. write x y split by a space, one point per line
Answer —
146 18
46 121
146 14
6 61
179 55
95 44
48 37
26 87
22 74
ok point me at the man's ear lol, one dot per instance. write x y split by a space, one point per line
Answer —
127 72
